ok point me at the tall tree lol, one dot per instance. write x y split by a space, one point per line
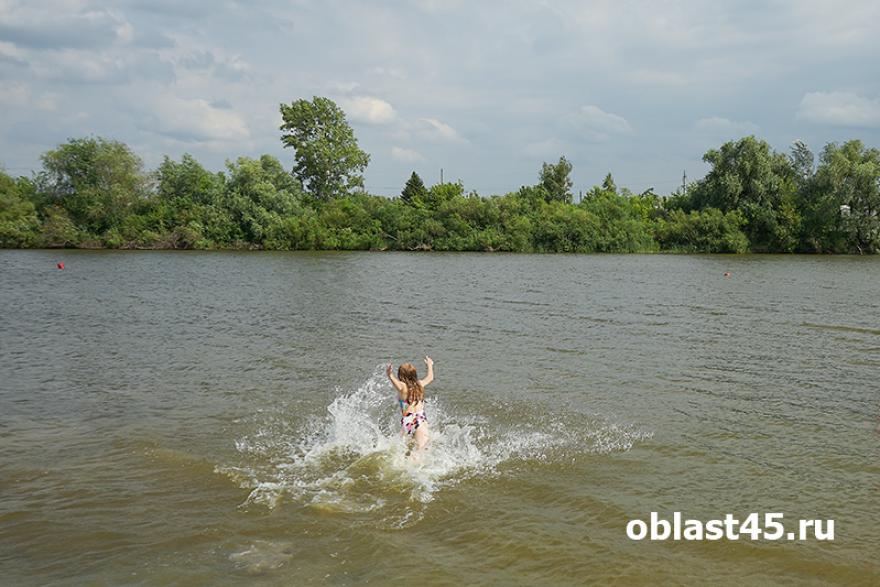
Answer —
556 179
847 175
97 181
801 160
329 162
608 184
414 191
747 175
743 172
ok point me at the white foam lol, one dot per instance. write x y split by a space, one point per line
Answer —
262 557
353 458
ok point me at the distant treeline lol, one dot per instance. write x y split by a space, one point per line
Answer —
94 193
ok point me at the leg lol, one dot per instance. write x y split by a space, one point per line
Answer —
421 437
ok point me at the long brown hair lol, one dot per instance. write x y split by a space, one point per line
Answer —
414 390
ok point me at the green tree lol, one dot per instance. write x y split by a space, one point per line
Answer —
190 208
608 184
188 182
706 231
516 224
532 195
847 175
802 160
279 177
349 224
443 192
97 181
556 180
414 192
328 161
624 226
255 202
58 230
747 175
18 217
562 228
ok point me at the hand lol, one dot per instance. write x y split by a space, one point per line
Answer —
429 361
388 370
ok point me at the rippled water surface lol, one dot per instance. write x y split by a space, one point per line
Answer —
222 418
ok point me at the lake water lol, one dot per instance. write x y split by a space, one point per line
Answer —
221 418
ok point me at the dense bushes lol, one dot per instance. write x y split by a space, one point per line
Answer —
95 193
708 231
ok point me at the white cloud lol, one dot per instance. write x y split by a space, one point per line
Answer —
54 25
512 80
195 120
598 124
76 65
368 109
406 155
59 67
195 59
434 129
840 109
719 124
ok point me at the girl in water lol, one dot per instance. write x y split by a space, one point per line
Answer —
411 399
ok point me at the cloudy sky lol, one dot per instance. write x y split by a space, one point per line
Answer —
485 90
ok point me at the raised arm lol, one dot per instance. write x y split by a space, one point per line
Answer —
397 383
430 376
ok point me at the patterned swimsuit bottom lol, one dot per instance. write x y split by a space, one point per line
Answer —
411 421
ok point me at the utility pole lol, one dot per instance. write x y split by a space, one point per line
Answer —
684 180
441 175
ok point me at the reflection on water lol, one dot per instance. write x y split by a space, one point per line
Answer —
219 418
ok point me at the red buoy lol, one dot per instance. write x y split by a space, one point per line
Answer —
60 265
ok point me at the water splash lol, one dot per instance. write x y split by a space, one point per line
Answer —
262 557
354 460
